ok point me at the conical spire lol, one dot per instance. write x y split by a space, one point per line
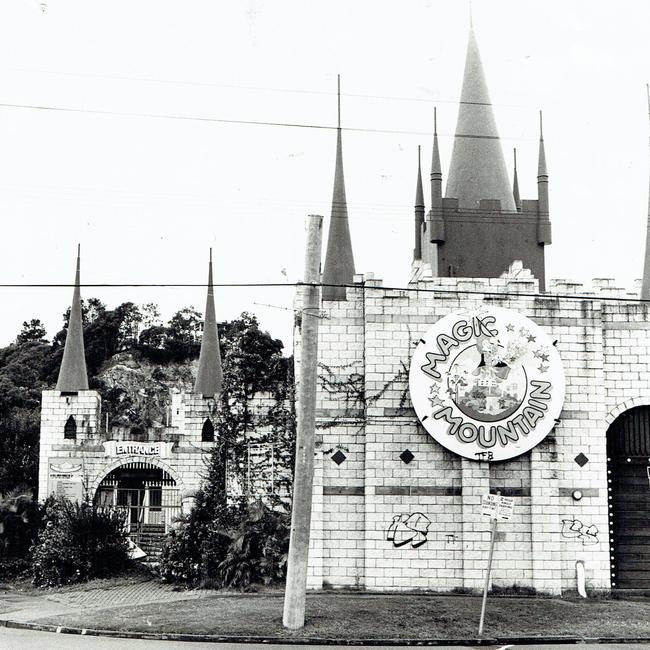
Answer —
645 286
419 212
542 174
478 169
436 170
515 184
543 222
541 163
209 376
339 260
72 374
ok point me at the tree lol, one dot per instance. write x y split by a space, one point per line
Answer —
31 332
183 334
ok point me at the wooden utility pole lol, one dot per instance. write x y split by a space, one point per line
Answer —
296 586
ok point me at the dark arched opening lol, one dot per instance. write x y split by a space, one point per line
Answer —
70 429
628 465
207 433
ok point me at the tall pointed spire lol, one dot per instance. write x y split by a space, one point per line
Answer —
645 286
515 183
435 220
543 222
419 212
436 170
339 260
209 376
477 169
72 374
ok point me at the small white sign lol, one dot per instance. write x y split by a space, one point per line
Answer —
489 506
497 507
130 448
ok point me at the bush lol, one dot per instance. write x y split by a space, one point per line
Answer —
19 518
77 542
238 546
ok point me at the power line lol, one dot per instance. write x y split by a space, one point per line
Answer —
361 286
209 84
219 120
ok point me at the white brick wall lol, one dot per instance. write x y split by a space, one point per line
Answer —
605 349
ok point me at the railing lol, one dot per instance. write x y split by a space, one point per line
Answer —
140 519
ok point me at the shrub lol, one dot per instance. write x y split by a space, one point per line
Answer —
238 546
19 517
77 542
258 548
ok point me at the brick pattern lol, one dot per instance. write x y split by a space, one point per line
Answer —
605 351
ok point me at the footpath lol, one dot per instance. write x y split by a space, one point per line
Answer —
143 607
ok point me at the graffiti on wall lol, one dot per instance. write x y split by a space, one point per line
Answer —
575 529
408 528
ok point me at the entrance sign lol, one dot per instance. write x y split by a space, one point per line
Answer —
65 478
118 448
487 384
497 507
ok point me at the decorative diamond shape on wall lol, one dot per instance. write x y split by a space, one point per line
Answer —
407 456
338 457
581 459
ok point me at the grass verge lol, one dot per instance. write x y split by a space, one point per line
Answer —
368 616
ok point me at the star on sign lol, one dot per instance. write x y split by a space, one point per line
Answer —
435 401
543 357
531 338
510 327
537 354
434 389
523 331
543 368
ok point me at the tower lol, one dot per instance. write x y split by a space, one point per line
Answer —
70 414
481 226
194 413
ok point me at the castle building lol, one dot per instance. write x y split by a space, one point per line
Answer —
480 377
152 477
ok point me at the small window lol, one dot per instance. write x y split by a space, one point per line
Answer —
70 429
207 433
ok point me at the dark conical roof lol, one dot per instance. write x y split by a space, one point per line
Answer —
477 169
209 376
339 259
72 374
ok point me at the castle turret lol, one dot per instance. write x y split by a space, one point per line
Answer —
477 169
543 223
419 213
339 260
72 374
209 376
482 225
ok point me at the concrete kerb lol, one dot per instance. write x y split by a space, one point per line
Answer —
271 640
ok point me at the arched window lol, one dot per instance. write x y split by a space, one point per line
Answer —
207 433
70 429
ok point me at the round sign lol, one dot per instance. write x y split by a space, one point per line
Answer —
488 383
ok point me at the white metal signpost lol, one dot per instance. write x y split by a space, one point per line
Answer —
496 507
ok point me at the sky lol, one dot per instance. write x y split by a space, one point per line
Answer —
146 164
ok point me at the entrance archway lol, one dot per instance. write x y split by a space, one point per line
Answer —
628 465
148 495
